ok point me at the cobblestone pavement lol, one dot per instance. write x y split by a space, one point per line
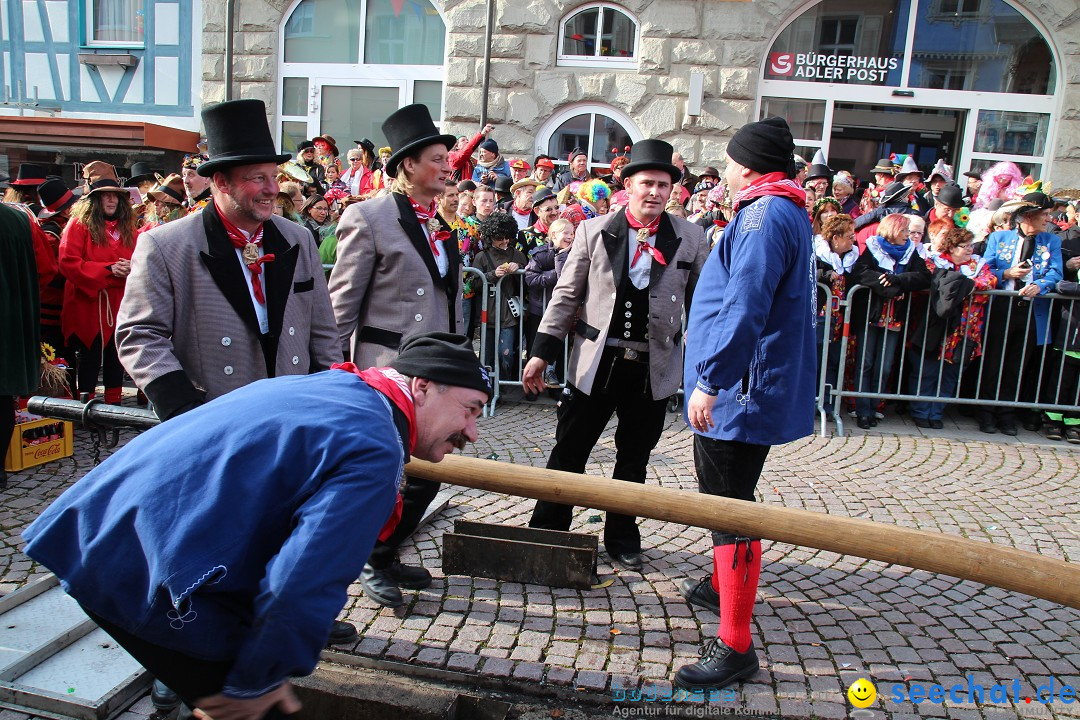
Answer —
822 620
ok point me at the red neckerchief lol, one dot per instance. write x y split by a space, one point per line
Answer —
540 227
392 385
433 233
519 211
644 233
775 183
112 233
240 242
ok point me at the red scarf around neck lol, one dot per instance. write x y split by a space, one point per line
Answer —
519 211
424 215
775 183
644 233
240 241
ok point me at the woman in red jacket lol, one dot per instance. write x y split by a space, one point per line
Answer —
95 257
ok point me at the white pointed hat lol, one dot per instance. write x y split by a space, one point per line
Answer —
908 168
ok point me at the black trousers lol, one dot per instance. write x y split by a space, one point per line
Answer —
190 678
416 495
730 469
581 420
1011 356
90 360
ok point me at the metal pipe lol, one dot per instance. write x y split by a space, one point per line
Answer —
229 27
487 63
98 415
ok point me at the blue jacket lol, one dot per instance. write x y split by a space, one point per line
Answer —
1047 270
232 532
750 337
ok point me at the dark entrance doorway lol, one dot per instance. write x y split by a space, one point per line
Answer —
862 134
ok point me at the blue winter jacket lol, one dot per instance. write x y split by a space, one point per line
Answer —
750 337
1047 270
233 531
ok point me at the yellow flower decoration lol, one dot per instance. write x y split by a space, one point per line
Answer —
48 352
961 217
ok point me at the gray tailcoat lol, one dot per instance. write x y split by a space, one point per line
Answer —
598 263
187 330
386 286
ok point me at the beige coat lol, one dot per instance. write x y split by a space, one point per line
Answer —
598 263
386 286
187 328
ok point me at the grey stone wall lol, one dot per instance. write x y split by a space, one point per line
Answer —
724 39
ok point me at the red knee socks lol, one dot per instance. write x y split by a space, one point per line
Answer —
113 395
735 578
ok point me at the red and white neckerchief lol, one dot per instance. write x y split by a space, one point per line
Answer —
394 388
249 253
644 232
430 223
774 183
540 227
519 211
112 232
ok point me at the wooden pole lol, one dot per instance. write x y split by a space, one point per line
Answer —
1004 567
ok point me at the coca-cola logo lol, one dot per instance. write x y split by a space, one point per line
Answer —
42 452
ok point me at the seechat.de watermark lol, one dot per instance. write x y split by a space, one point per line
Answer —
862 693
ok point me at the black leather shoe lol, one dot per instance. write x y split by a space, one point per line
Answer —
863 422
1007 427
630 561
701 593
162 697
937 425
342 633
1032 423
718 667
1055 431
920 422
380 587
409 576
986 423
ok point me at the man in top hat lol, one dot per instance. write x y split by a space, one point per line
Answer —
305 158
24 188
630 275
143 177
972 187
222 574
196 186
521 207
1026 259
519 169
490 165
543 168
577 172
883 175
749 372
819 176
398 273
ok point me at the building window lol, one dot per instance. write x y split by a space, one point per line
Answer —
595 129
115 23
959 7
838 35
598 35
324 31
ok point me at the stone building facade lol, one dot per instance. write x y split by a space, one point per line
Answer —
729 43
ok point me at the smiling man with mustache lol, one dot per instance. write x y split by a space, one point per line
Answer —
222 574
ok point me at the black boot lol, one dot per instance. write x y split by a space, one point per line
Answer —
381 587
408 576
162 697
701 593
342 633
718 667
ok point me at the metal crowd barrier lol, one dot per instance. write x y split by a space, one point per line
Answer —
1044 366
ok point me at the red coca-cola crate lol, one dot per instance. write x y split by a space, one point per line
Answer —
34 442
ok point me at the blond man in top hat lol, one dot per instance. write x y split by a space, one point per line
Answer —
398 273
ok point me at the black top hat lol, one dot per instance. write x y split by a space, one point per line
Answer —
237 133
813 172
973 175
651 155
55 197
366 144
408 130
951 195
140 171
29 174
305 145
541 195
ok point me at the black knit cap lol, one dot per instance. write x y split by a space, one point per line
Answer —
444 358
765 146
